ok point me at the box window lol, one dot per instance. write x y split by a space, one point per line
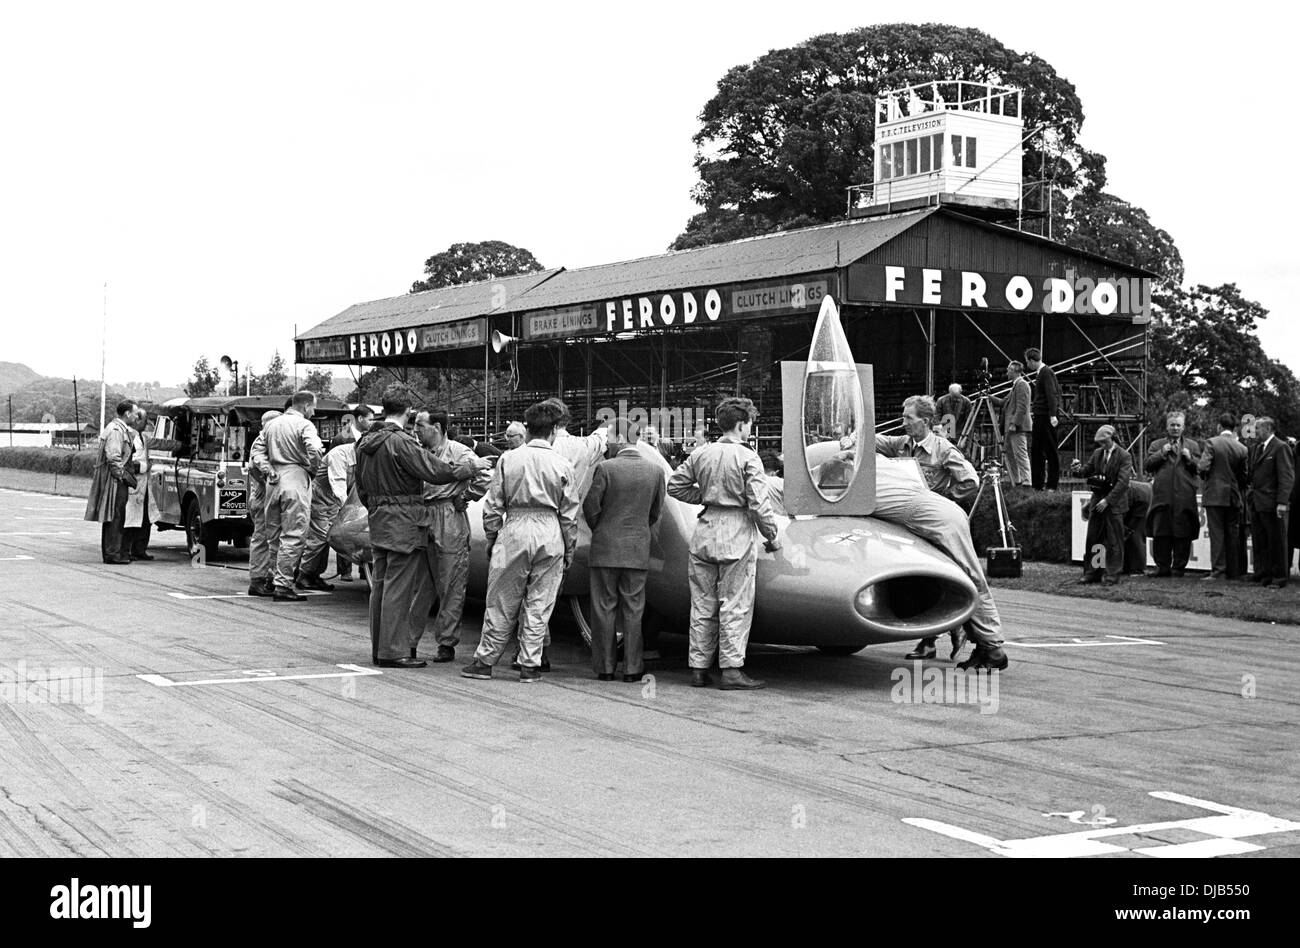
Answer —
898 160
937 142
925 154
911 156
956 151
882 164
970 152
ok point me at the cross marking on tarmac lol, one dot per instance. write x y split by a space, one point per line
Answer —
1088 643
260 674
1225 834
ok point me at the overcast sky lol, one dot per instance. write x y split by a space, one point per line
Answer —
231 170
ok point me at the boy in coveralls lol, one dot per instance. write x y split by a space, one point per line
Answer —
725 476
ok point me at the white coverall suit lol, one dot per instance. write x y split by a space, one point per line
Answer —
530 517
903 499
727 478
447 555
294 451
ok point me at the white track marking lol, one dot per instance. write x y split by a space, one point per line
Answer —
48 518
10 559
36 533
1224 834
350 671
1086 643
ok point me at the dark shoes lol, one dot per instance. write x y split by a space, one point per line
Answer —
401 663
528 675
1159 573
636 677
477 669
605 676
994 659
261 589
1090 580
445 654
143 556
286 595
924 649
545 666
1109 581
700 678
958 639
735 679
306 581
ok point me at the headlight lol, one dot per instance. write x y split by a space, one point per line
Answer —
221 478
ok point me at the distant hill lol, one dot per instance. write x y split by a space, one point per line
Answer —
15 375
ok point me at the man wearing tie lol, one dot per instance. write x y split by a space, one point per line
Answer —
622 507
1108 471
1223 465
1272 475
1019 422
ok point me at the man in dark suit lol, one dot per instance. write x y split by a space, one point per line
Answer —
1109 471
1223 465
623 504
1272 476
1173 521
1043 407
1293 530
1135 527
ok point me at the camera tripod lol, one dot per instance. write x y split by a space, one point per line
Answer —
967 441
991 473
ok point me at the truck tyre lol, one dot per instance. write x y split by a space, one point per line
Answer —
197 534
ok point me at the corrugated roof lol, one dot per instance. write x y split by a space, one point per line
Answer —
773 256
444 305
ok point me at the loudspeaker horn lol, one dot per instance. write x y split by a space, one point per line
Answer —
501 341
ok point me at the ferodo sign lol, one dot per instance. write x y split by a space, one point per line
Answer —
404 342
678 308
380 345
1121 297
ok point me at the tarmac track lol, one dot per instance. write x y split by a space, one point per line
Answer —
825 761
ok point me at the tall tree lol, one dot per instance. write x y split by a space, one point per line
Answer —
1207 358
786 134
274 381
471 262
1101 223
319 381
205 381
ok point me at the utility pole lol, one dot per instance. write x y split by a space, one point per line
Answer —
103 360
76 411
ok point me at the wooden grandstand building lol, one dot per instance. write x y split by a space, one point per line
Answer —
924 295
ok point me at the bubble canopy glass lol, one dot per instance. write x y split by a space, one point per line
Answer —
833 410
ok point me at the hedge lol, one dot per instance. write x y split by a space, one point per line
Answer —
1042 520
51 460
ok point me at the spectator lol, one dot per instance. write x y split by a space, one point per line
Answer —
1173 521
1045 463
